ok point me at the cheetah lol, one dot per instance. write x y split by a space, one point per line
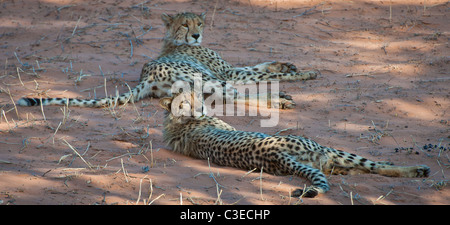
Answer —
189 131
181 57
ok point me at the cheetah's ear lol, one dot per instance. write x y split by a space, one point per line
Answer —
203 15
166 103
166 19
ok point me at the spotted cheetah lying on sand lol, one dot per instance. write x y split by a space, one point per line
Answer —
188 131
181 58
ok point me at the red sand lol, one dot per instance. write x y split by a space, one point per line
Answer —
384 66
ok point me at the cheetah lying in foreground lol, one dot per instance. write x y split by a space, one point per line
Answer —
206 137
181 58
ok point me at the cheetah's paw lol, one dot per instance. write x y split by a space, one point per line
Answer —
308 75
279 67
310 193
422 171
286 101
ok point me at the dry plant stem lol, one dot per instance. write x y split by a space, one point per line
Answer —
211 174
213 14
87 148
78 154
106 90
120 156
132 102
249 172
181 198
42 109
62 158
219 193
6 119
15 107
383 196
161 195
151 154
140 190
151 191
66 112
18 75
286 129
53 137
17 57
75 29
124 171
351 198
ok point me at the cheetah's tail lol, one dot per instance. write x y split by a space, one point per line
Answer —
350 160
94 103
63 101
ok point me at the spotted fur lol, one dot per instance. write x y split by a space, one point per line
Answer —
206 137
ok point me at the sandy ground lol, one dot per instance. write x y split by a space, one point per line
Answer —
383 94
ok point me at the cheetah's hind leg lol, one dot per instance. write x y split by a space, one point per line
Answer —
290 165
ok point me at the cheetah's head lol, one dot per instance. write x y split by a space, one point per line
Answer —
184 28
184 106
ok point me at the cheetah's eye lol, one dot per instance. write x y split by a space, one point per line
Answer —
184 25
199 24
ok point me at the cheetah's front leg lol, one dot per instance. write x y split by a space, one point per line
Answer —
271 67
403 171
269 71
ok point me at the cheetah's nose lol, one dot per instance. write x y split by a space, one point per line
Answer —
196 36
